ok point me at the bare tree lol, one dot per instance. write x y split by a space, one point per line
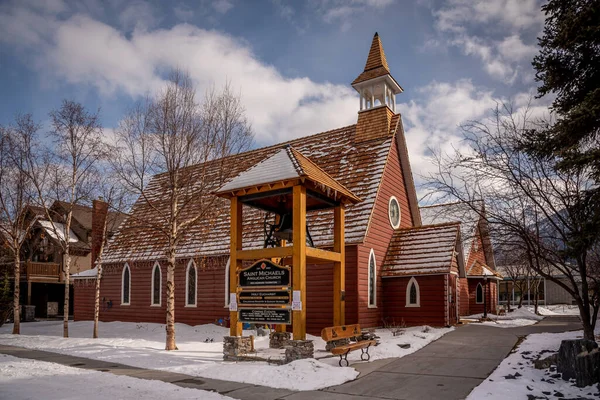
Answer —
113 196
547 214
159 139
66 173
16 192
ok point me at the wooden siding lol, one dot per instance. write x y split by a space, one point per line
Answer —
210 294
378 237
476 252
433 298
464 297
491 294
83 299
319 293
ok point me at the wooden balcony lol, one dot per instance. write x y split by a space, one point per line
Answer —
41 272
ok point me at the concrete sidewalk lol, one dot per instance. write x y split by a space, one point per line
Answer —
448 368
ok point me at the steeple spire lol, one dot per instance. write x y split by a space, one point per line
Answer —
375 84
376 62
378 90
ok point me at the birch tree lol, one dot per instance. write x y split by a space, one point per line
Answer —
550 215
65 172
113 195
16 192
158 140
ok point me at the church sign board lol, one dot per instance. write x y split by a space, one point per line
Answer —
264 297
265 273
265 316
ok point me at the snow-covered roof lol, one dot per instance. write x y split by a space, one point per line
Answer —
454 212
358 166
58 231
278 167
286 164
423 250
478 270
88 273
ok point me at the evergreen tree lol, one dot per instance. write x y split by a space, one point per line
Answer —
568 66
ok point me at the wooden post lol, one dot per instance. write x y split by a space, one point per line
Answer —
235 327
339 268
28 292
299 260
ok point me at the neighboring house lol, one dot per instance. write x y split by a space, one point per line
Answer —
395 267
42 275
549 292
480 287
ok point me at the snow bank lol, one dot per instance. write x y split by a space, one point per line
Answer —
201 351
518 317
31 379
504 383
557 309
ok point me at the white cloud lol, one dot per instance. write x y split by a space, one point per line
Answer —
344 11
222 6
183 12
512 48
138 15
432 120
513 14
84 51
491 31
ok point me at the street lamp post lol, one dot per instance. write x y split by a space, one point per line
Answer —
485 279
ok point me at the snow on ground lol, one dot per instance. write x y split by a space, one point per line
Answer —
32 379
517 317
541 384
201 351
557 309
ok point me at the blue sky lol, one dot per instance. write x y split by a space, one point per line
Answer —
292 61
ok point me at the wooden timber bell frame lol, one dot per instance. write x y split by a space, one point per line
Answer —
305 187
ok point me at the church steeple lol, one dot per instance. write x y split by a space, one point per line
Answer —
375 84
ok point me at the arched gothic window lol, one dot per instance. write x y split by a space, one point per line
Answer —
372 280
126 286
479 294
413 294
191 278
156 285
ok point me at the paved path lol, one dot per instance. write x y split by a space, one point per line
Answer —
448 368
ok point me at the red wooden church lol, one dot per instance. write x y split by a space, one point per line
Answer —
396 268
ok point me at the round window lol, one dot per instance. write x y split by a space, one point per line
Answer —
394 212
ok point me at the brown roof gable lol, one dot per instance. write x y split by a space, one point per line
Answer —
423 250
357 166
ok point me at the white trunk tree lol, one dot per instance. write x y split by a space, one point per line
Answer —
16 192
66 172
165 135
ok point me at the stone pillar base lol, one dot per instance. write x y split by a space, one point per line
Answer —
236 348
278 340
298 350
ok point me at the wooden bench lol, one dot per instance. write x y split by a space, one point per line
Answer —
351 332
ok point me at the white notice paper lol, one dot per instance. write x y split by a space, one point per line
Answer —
296 306
296 296
232 302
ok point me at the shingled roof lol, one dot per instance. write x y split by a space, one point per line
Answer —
424 250
287 164
454 212
376 65
479 270
357 166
